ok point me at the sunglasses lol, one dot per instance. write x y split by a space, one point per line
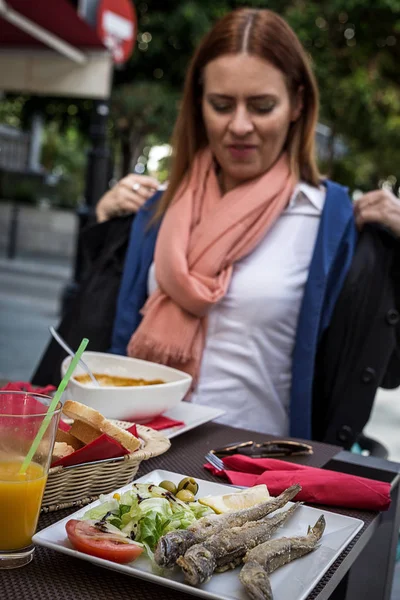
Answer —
272 449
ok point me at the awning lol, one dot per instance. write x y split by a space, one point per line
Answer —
46 48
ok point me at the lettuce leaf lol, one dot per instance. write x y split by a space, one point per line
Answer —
98 512
146 512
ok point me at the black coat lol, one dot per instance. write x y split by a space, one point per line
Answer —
92 312
358 353
360 350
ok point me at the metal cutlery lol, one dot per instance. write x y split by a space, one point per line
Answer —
64 345
219 465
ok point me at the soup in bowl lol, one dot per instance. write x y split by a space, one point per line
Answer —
115 380
130 389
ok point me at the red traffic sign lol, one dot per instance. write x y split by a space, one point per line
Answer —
117 27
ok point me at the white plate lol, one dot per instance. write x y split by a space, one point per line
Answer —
192 415
293 581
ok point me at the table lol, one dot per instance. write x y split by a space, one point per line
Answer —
364 570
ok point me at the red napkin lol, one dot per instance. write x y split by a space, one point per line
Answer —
22 404
102 448
63 425
161 422
157 423
105 447
319 486
23 386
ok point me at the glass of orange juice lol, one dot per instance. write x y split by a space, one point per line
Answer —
21 415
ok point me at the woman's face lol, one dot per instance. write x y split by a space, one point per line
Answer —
247 112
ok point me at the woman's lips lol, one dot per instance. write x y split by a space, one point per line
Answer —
241 151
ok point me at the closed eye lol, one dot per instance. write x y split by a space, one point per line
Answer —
262 108
257 105
221 106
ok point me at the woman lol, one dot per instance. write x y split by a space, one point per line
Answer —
239 272
233 273
245 124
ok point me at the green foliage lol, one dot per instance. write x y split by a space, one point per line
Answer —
11 110
66 112
64 155
354 46
147 108
163 168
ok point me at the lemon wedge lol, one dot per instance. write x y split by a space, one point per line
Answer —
237 500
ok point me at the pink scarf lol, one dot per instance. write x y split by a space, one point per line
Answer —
202 235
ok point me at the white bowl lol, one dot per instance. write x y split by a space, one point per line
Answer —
137 403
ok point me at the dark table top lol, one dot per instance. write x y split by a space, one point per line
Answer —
52 575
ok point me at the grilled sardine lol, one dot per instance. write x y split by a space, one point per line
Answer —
226 550
176 543
266 558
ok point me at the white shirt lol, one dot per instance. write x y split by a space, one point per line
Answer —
247 361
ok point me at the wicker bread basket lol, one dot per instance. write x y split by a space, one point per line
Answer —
81 484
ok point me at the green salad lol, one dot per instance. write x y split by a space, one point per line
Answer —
145 513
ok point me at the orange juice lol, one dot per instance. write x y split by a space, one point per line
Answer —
20 500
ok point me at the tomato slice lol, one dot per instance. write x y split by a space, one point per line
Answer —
88 539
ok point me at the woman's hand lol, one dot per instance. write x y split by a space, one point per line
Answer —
379 206
127 196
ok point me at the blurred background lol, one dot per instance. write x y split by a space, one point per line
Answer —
89 92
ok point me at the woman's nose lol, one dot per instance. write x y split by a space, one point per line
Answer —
241 123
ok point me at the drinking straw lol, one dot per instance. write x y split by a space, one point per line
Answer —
53 405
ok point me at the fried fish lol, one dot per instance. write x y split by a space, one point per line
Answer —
269 556
176 543
225 550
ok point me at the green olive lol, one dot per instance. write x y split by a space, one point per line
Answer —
168 485
188 483
185 496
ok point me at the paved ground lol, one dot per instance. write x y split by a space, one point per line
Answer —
29 302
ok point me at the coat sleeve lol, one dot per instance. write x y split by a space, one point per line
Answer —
91 314
360 346
133 290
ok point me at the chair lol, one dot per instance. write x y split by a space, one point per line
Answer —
372 446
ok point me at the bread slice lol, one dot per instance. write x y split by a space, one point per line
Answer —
84 433
81 412
91 417
68 438
60 450
125 438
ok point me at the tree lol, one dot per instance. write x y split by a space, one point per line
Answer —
355 49
146 93
138 111
354 46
